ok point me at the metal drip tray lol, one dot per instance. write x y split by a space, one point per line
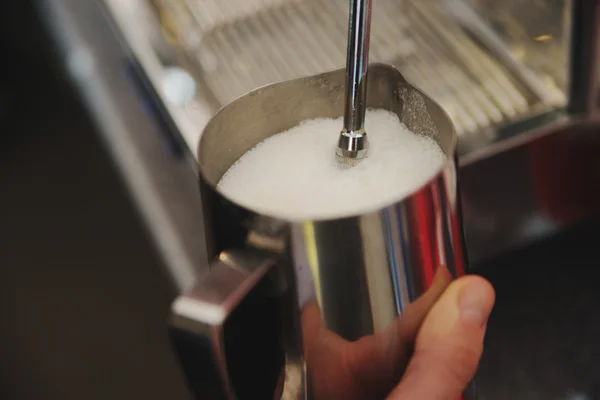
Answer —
271 40
535 34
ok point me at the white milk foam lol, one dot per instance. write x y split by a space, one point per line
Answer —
294 174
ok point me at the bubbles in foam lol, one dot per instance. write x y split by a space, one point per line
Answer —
294 174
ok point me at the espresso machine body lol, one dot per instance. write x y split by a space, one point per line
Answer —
527 149
518 79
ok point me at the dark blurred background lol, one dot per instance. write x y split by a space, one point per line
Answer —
83 293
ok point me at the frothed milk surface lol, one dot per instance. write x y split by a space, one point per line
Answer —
294 174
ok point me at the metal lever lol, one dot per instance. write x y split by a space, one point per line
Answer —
229 334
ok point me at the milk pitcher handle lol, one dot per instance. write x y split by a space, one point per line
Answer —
227 331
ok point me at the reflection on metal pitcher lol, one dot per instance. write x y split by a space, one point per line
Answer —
361 271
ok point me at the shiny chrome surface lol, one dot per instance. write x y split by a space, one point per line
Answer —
361 270
353 141
352 146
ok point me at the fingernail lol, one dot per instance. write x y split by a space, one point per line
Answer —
472 304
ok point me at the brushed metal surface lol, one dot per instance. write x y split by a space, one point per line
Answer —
163 186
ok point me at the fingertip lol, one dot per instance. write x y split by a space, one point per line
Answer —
480 283
450 342
469 298
476 298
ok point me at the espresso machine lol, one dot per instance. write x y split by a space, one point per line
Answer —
511 76
518 80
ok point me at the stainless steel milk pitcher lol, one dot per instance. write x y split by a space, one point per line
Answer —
237 332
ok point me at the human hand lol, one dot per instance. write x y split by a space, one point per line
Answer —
430 352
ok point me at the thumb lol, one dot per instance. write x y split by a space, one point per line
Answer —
449 344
